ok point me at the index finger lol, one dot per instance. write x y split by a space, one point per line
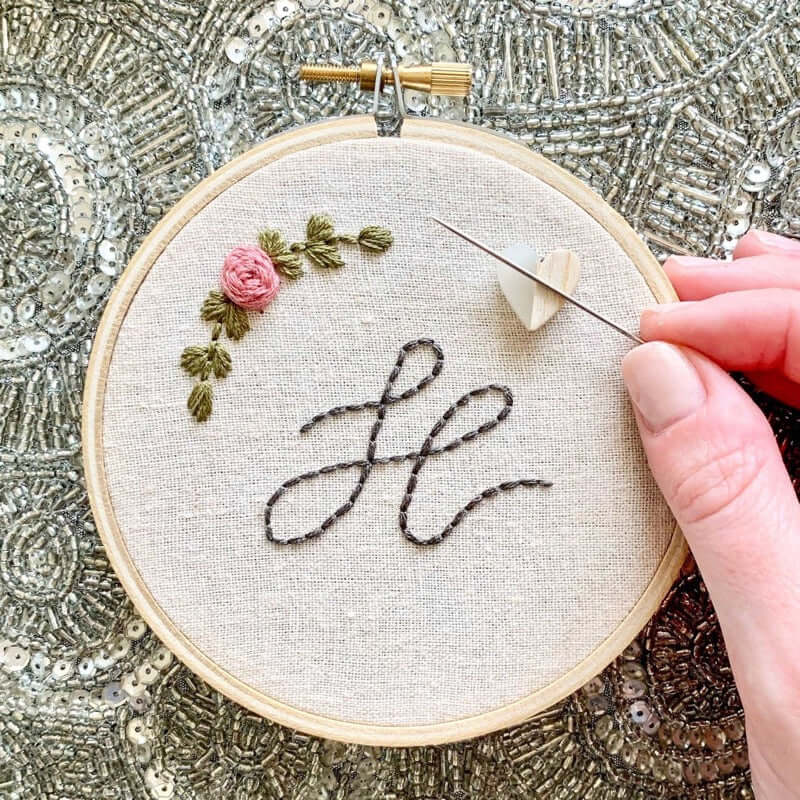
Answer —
700 278
748 331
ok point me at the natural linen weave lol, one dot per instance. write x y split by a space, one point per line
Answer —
360 624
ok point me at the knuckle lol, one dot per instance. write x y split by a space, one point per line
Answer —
716 481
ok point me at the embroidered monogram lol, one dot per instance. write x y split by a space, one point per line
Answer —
428 449
250 282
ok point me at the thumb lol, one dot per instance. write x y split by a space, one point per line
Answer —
716 461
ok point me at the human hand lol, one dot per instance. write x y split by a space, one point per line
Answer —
715 458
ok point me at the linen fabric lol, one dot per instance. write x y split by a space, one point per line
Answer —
360 624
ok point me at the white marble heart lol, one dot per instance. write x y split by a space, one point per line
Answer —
532 303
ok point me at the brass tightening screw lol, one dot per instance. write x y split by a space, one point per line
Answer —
441 77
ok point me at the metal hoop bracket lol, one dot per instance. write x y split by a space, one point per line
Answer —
388 121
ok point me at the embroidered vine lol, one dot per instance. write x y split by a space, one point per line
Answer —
428 449
250 281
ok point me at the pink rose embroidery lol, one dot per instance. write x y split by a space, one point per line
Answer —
248 278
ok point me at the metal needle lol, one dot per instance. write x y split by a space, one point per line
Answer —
537 279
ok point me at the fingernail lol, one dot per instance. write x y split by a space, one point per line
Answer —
663 308
691 262
663 384
775 242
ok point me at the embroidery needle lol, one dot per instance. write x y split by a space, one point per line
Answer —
500 257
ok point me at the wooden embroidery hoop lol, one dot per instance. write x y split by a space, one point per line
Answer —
360 127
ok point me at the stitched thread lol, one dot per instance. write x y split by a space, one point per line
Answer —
321 245
250 282
419 457
249 279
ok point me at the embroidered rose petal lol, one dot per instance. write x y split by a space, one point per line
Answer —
249 279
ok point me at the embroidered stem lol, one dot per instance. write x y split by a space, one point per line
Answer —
213 359
321 245
249 282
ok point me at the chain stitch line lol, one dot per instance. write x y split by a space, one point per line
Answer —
419 457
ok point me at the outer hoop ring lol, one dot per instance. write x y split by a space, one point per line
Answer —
359 127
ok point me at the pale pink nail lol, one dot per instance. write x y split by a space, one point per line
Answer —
775 242
663 308
663 384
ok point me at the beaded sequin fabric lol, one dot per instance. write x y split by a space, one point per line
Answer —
684 115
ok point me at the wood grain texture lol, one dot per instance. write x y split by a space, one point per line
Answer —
532 303
561 269
457 135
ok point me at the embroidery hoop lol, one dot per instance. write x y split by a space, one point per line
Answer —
353 128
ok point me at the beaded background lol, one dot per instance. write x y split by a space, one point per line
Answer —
683 115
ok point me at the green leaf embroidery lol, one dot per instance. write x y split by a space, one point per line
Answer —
236 322
194 360
321 248
324 255
285 261
319 229
373 237
272 243
217 308
200 402
214 307
288 264
220 360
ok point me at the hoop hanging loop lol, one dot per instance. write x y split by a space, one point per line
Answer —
389 122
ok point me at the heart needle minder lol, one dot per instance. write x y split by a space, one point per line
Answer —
532 276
